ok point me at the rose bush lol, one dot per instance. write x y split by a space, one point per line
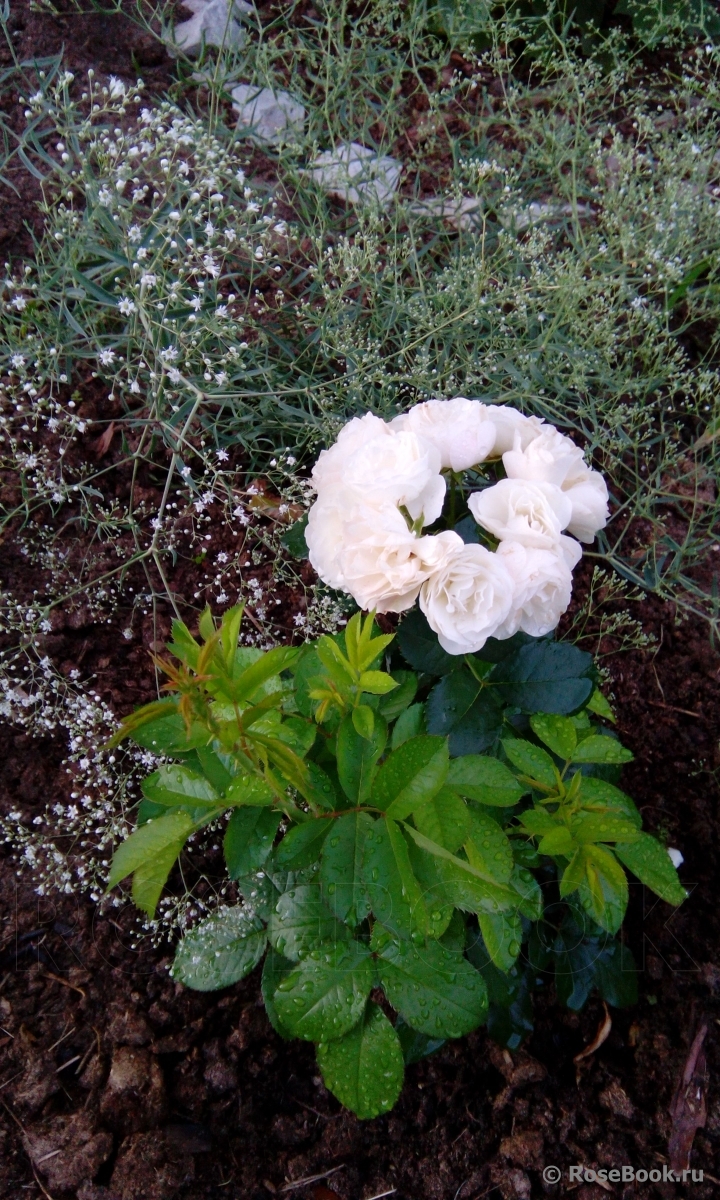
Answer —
527 486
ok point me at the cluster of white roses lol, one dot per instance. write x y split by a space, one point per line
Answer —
382 482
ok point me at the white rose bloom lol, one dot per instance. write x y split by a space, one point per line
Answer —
383 564
331 464
400 469
514 509
548 458
590 512
553 458
468 600
569 549
508 422
543 587
461 429
324 537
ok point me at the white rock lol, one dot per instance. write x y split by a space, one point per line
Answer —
269 116
465 212
537 212
215 22
675 857
355 173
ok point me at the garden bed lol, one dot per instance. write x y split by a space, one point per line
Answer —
117 1083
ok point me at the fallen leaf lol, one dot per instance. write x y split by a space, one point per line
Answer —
688 1109
603 1033
102 445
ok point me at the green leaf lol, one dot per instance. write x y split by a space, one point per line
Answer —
364 1069
599 749
648 859
230 634
502 935
249 790
220 950
394 704
378 683
603 827
394 893
341 877
357 756
408 725
534 762
460 708
528 893
559 841
167 735
445 819
151 876
464 885
598 795
213 768
363 718
539 821
547 677
294 538
420 646
301 922
303 844
454 937
150 840
599 705
320 788
271 664
616 975
485 779
324 997
249 839
558 733
173 785
574 873
604 891
275 968
410 776
436 991
488 847
415 1046
427 871
307 671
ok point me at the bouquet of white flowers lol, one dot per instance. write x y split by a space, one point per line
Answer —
383 483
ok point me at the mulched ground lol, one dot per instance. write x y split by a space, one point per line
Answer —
117 1084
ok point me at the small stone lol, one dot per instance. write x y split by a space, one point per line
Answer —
463 213
214 22
268 116
134 1097
356 174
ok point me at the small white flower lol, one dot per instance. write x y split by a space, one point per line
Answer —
174 375
222 455
17 361
106 357
117 88
19 303
134 233
147 279
126 306
135 387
